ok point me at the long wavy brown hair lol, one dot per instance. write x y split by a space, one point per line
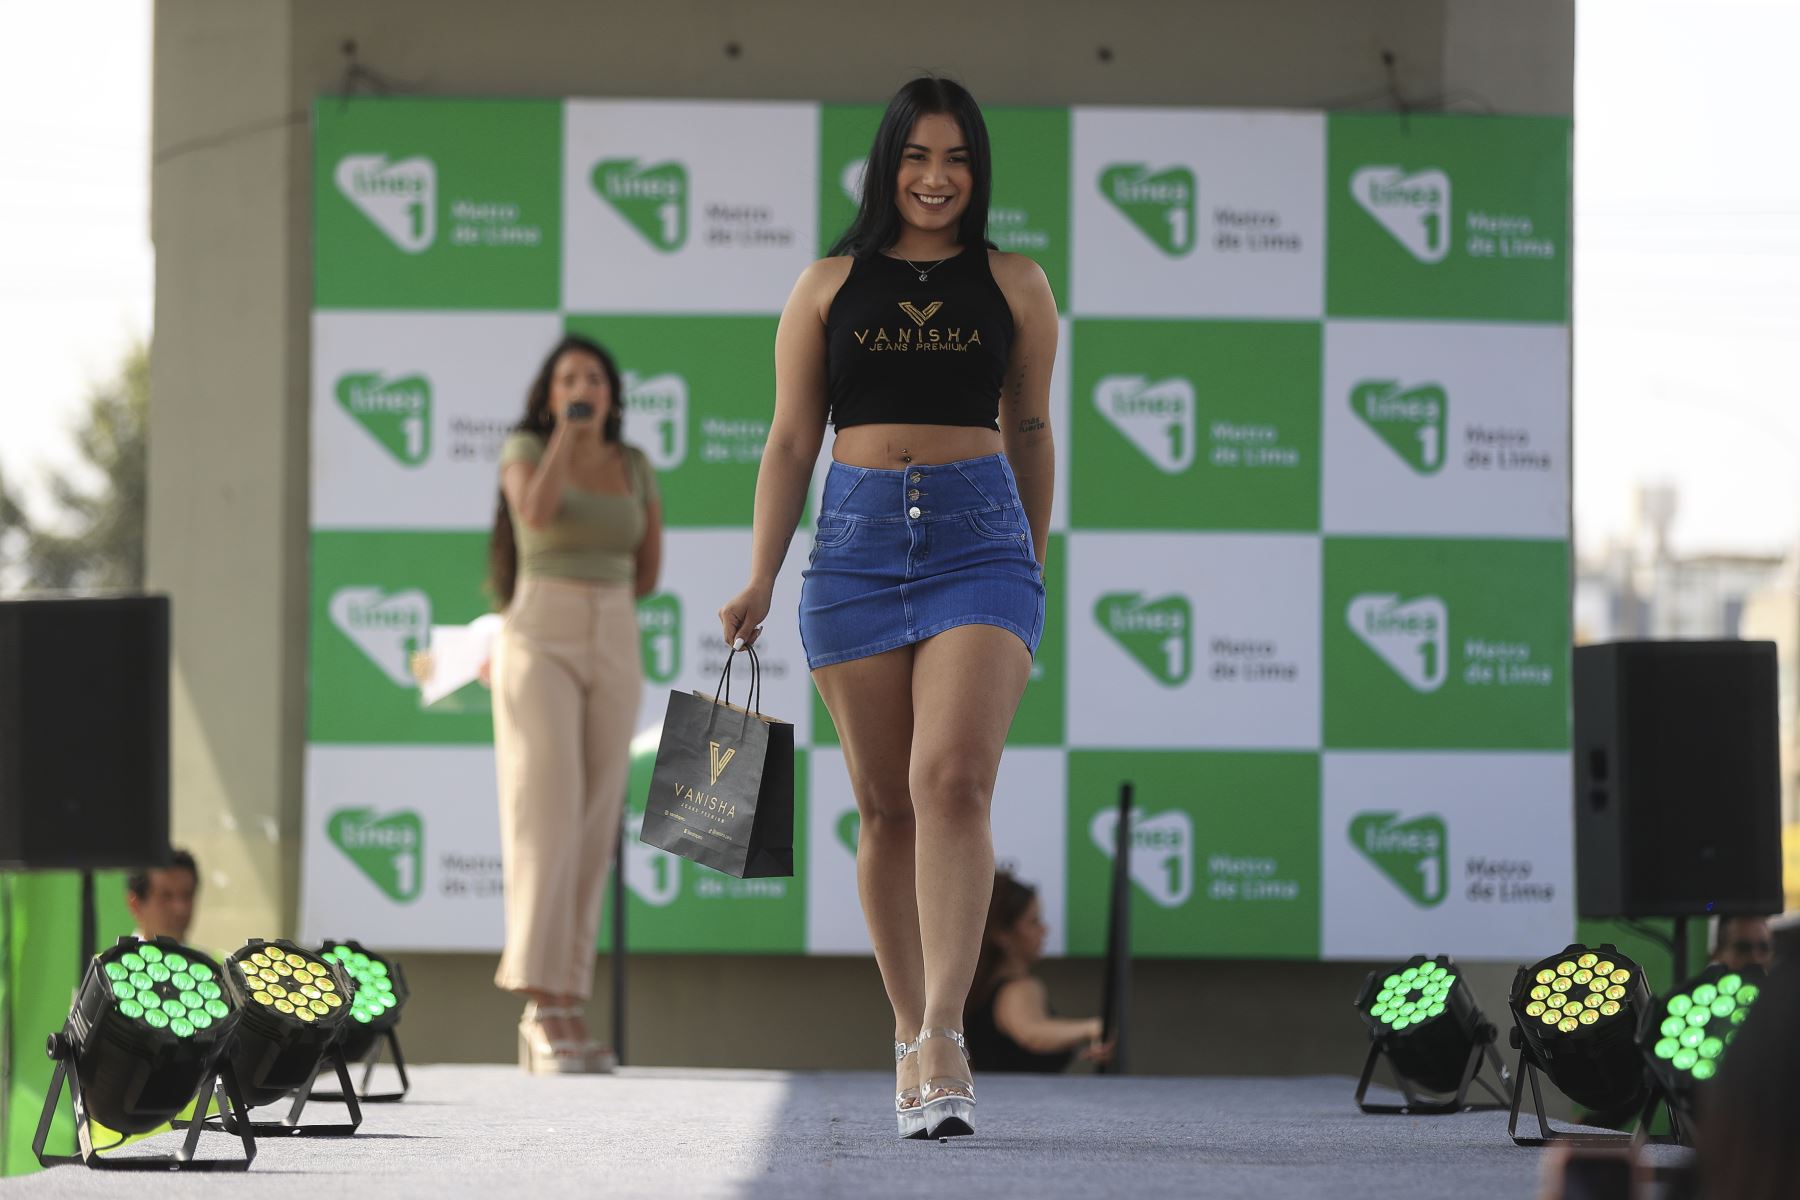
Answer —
503 547
1010 901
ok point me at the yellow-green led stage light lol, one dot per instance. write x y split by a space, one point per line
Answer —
1686 1034
296 1008
145 1038
381 994
1421 1016
1575 1018
381 989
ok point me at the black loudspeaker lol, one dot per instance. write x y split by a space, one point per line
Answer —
1677 779
84 733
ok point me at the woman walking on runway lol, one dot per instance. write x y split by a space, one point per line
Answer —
930 353
579 531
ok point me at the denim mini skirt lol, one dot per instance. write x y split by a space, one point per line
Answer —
899 556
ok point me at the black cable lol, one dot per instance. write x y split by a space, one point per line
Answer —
1394 97
1649 933
358 77
225 137
1389 68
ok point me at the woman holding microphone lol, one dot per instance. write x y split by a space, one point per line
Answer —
577 540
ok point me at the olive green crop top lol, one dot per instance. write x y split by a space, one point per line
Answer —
594 536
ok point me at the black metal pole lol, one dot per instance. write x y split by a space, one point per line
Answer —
618 943
1116 1008
89 926
1680 951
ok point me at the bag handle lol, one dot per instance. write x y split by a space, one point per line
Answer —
754 699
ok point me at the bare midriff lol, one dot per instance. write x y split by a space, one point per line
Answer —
896 447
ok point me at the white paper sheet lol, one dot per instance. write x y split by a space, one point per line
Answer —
457 655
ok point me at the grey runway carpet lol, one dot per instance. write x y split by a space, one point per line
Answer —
492 1132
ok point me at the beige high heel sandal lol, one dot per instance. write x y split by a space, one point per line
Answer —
541 1056
949 1107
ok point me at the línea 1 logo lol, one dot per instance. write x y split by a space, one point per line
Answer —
1414 208
399 197
395 411
652 199
1160 203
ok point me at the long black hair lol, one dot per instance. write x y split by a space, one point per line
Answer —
877 223
1011 900
503 550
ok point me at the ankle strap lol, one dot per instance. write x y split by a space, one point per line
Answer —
954 1035
534 1011
902 1049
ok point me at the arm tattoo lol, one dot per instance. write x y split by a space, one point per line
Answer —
1031 424
1018 396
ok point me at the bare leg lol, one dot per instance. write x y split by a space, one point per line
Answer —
966 686
871 703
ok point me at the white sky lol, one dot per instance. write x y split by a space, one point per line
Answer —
1687 267
1687 259
75 259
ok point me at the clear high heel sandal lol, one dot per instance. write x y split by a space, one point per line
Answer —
541 1056
948 1102
908 1114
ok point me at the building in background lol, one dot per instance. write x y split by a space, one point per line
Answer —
1772 613
1639 587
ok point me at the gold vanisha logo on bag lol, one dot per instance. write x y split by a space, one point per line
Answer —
720 761
702 803
920 315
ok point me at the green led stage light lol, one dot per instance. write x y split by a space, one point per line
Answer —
1685 1035
1575 1018
1421 1016
296 1007
381 993
146 1037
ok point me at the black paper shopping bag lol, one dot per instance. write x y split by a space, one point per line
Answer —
722 793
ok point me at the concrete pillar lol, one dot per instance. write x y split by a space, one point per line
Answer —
228 448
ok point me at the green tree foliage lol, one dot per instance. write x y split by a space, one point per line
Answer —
92 539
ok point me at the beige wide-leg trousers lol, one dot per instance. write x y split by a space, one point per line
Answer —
567 677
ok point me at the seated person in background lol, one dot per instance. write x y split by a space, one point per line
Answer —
1749 1126
1008 1021
161 899
1742 941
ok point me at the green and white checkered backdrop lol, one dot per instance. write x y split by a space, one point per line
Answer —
1308 568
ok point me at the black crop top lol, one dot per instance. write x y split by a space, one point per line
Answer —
907 352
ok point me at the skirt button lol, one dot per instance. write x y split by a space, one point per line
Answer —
914 494
913 512
917 478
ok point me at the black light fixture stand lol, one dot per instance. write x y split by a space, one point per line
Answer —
289 1126
1529 1070
62 1050
391 1040
1483 1047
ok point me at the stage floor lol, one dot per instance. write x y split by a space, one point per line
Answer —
492 1132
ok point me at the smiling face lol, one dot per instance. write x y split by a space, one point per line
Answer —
578 375
932 190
